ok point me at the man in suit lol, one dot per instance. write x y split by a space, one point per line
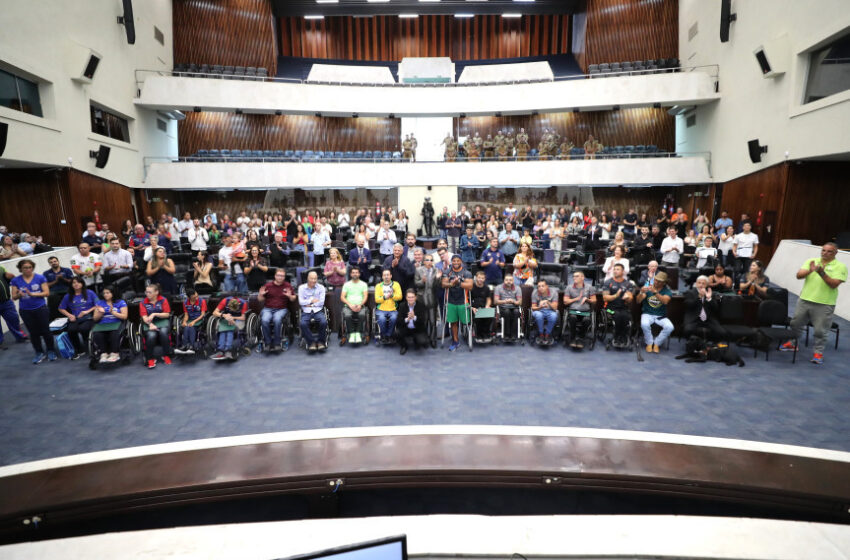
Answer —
361 257
412 323
701 312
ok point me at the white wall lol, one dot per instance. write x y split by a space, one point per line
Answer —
755 107
228 95
49 41
638 171
429 132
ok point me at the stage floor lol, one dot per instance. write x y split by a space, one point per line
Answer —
63 408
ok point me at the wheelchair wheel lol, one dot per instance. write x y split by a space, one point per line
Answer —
592 329
211 331
252 331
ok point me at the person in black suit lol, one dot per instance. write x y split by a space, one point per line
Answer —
701 310
412 323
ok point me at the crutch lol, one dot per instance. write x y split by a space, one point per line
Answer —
468 304
443 318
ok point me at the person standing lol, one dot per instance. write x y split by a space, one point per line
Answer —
817 299
32 290
745 247
8 310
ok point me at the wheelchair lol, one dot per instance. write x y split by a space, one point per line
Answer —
589 338
244 338
129 346
200 348
519 329
605 331
286 334
532 330
366 328
139 333
302 342
484 337
375 330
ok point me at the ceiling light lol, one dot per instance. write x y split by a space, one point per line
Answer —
512 15
464 15
523 0
327 1
377 1
429 0
314 17
408 16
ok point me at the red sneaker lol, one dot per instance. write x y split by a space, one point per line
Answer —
817 359
788 347
151 364
167 360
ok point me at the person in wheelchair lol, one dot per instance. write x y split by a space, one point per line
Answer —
275 296
544 309
353 298
578 298
457 280
78 307
481 298
194 313
654 300
311 298
109 316
155 314
413 324
617 293
387 296
508 299
232 312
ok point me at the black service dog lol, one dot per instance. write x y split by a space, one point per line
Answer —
698 350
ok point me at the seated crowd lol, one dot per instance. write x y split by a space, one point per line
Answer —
473 280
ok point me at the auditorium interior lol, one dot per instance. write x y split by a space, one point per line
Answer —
257 260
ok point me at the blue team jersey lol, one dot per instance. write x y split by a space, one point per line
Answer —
76 304
108 317
36 284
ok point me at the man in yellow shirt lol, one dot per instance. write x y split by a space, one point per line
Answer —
818 297
387 296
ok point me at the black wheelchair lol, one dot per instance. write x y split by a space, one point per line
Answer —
518 328
313 325
585 319
128 345
244 336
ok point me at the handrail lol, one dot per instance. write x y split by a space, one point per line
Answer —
139 81
147 161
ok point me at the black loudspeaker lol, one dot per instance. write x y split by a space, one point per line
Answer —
4 133
726 18
762 60
756 150
128 22
91 67
100 156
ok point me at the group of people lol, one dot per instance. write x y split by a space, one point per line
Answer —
505 146
14 245
465 274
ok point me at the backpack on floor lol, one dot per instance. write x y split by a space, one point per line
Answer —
63 345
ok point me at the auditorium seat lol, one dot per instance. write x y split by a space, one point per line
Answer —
239 72
338 156
298 154
592 67
640 149
309 155
228 72
615 67
652 149
396 156
279 155
388 156
205 70
348 154
627 66
262 73
250 71
358 154
532 153
367 154
629 149
225 154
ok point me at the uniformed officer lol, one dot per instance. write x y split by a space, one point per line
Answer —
521 144
566 146
414 143
591 146
407 148
449 142
510 143
489 148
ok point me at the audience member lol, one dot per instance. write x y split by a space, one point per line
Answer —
525 265
672 247
468 246
194 312
8 311
353 297
493 261
78 307
109 314
457 280
701 310
481 297
654 300
754 284
58 277
816 305
311 298
509 240
745 247
617 258
155 313
160 270
387 295
117 262
255 269
544 309
400 267
335 269
617 293
508 299
578 298
413 323
275 296
232 312
720 281
361 257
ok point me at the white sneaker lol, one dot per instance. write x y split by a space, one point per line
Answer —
114 357
104 357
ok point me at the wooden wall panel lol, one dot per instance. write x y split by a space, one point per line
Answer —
36 201
280 132
390 38
817 202
619 30
763 191
227 32
627 126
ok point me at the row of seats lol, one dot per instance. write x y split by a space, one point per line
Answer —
645 66
292 155
220 71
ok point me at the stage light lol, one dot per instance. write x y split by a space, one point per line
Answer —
238 111
512 15
197 109
408 16
278 112
464 15
314 17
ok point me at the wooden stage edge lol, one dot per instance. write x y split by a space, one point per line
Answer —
801 486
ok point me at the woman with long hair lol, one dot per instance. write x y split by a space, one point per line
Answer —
127 230
203 282
78 307
253 240
335 269
9 249
524 264
617 258
755 283
160 270
400 223
109 313
155 313
31 290
724 246
150 225
301 239
255 269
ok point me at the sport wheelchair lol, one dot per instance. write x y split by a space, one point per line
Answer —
129 346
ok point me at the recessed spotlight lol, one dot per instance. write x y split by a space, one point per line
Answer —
615 108
656 105
355 115
318 114
576 110
238 111
278 112
197 109
377 1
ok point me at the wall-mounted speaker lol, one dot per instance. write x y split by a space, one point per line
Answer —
4 133
128 22
90 61
756 150
773 57
101 156
726 19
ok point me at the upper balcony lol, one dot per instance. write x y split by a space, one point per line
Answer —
687 86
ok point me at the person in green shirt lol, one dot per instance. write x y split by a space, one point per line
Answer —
654 300
353 298
818 297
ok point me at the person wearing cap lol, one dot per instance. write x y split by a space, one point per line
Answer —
654 300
